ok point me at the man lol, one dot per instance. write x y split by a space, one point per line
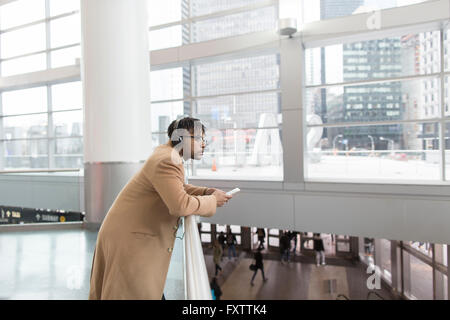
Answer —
137 236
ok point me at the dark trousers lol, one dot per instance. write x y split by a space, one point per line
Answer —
163 298
262 270
218 268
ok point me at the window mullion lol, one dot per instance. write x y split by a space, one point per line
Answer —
442 120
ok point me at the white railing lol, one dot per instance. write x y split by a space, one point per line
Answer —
196 275
197 282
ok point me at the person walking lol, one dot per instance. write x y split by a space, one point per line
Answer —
293 236
217 255
136 238
319 249
231 243
222 241
285 246
261 236
259 265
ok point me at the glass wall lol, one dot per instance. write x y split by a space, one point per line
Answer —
374 109
313 10
178 22
239 102
41 126
35 36
43 133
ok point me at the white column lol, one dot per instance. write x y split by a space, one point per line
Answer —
291 77
115 71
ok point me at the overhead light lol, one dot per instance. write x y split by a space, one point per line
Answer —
287 27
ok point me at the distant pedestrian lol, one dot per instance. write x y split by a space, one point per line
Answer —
293 236
261 236
258 265
222 240
218 251
319 249
285 247
231 243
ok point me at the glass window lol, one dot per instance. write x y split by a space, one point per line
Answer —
274 232
65 31
314 10
58 7
26 148
26 154
166 84
204 7
162 12
408 151
221 228
242 154
236 24
206 237
65 57
239 75
260 110
26 64
162 114
69 153
67 96
21 12
24 101
158 139
235 229
25 127
274 241
167 37
420 285
447 50
386 258
206 226
22 41
68 123
424 247
385 101
447 151
373 59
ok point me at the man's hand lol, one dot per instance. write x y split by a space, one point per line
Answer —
210 191
221 197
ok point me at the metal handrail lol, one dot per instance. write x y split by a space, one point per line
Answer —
196 274
375 293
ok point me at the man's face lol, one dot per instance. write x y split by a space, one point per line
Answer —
197 146
194 145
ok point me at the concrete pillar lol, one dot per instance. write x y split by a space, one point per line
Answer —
291 77
439 277
246 238
115 71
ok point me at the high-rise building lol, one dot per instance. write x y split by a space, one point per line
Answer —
380 102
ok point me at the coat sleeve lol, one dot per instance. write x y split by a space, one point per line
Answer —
167 179
194 190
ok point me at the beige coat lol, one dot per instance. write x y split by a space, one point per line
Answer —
137 236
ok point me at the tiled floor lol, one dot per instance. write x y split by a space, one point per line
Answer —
56 265
46 264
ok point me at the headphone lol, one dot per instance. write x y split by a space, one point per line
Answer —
180 138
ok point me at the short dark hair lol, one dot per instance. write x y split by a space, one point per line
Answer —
187 123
